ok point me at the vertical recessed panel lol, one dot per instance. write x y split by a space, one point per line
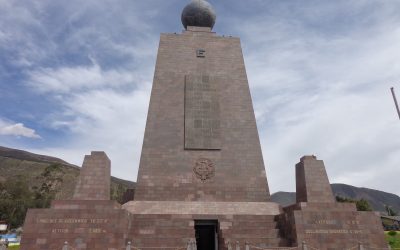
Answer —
202 113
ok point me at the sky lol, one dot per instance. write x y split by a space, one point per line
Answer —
76 76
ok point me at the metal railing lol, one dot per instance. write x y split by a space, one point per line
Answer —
2 246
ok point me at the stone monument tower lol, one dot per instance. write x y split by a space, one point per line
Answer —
201 141
201 164
202 183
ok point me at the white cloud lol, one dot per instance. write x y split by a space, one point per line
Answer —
102 110
17 129
104 120
67 79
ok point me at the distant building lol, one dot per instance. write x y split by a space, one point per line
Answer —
3 226
390 222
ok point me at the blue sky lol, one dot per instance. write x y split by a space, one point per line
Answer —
76 76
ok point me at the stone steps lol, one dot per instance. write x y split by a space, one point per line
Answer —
258 242
170 231
253 233
161 233
260 231
159 241
253 224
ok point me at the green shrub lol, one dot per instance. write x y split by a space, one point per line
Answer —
393 238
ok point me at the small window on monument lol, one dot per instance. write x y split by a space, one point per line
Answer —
201 53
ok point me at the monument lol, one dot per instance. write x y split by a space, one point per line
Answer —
201 182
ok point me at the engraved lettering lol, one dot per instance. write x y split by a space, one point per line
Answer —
333 231
72 221
95 230
59 230
353 222
326 222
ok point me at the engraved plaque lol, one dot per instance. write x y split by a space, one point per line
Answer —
202 120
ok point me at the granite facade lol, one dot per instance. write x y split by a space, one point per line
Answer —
94 225
166 170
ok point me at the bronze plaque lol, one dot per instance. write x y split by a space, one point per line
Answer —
202 119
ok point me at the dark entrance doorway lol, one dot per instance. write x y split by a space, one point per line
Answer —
206 234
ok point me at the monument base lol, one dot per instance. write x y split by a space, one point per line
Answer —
332 226
99 224
172 224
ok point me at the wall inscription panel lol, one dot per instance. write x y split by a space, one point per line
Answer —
202 113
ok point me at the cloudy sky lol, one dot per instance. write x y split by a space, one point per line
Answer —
76 76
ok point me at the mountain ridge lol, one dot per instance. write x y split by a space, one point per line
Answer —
377 199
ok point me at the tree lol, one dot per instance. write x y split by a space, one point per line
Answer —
390 211
344 199
117 192
51 180
362 205
16 196
15 199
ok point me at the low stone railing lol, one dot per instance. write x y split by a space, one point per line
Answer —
304 246
191 245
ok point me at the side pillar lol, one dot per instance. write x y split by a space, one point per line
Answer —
94 179
321 222
312 183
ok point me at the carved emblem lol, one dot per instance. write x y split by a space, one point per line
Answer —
204 169
201 53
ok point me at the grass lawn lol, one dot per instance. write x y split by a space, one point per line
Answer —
14 247
394 241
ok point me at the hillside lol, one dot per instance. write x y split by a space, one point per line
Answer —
27 156
376 198
19 165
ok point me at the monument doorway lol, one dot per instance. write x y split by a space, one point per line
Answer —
206 234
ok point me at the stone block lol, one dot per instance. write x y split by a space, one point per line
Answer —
320 221
332 227
94 178
94 225
312 183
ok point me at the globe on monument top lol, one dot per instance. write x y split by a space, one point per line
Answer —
198 13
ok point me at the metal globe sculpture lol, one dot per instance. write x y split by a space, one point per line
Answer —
198 13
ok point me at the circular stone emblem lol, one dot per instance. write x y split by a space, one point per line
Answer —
204 169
